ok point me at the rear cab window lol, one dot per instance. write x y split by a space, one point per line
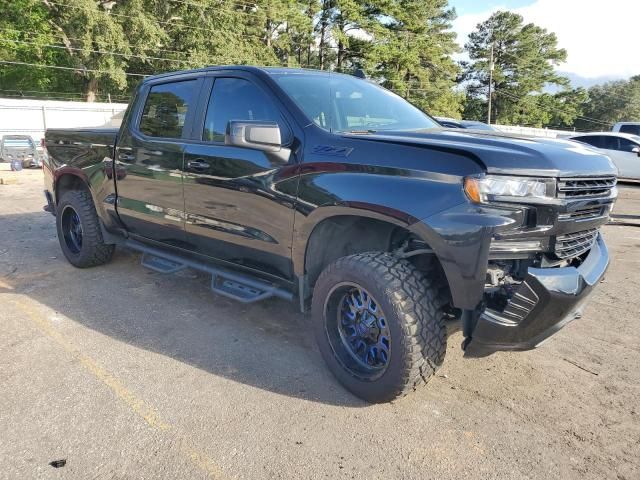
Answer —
166 107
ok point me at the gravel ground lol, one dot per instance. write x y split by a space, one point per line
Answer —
126 373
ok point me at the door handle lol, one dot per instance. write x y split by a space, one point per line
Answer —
198 165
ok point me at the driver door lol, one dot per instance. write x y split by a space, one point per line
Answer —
239 201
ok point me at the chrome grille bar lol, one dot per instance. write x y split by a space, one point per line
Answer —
569 187
574 244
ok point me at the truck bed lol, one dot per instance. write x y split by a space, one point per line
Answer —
81 147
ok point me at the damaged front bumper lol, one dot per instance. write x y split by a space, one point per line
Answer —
543 303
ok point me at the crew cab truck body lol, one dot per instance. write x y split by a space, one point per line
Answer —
333 192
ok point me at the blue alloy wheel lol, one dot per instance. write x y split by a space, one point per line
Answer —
72 229
361 339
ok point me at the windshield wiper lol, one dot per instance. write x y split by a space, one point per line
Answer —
360 132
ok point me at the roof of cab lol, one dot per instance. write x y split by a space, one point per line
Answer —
242 68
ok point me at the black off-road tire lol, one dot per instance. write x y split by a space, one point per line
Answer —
93 251
413 303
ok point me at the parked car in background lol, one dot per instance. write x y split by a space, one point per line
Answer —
627 127
19 147
467 124
622 148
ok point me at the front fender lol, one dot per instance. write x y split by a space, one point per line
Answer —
461 237
400 199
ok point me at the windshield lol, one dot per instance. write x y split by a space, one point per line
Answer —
340 103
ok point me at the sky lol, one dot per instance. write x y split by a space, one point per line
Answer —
600 36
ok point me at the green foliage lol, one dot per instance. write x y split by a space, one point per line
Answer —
524 57
613 102
407 44
24 29
413 55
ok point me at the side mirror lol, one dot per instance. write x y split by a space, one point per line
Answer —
636 150
257 135
264 136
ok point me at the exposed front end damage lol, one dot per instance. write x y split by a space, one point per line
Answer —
520 313
536 271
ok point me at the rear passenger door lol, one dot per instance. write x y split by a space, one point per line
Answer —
149 160
239 201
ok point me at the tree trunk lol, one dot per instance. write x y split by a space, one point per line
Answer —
268 29
91 89
311 15
324 23
341 27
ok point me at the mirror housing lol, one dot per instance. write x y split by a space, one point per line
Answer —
636 150
263 136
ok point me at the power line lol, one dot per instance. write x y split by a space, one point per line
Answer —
75 69
162 22
205 7
40 91
44 97
102 52
531 62
89 107
51 95
64 37
558 109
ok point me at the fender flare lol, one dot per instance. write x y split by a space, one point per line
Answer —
303 232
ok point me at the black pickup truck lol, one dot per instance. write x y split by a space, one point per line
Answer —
331 191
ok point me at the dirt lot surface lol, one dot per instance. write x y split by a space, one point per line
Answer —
126 373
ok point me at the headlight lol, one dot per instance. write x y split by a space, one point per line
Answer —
505 188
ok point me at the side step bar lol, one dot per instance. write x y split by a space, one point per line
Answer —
237 286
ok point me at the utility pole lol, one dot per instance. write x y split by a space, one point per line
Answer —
490 81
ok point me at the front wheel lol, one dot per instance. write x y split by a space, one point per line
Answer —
379 323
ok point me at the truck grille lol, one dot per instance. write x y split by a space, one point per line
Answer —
585 186
574 244
583 214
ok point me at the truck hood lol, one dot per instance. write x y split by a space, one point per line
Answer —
503 153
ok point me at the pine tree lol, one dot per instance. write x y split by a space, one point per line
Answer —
413 55
524 60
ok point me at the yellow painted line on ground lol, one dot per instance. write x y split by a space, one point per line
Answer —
139 406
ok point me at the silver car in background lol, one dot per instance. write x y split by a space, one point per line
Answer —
622 148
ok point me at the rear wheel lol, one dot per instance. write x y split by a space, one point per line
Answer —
79 231
379 323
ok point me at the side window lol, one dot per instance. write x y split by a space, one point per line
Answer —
238 99
610 143
626 145
634 129
591 140
166 109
